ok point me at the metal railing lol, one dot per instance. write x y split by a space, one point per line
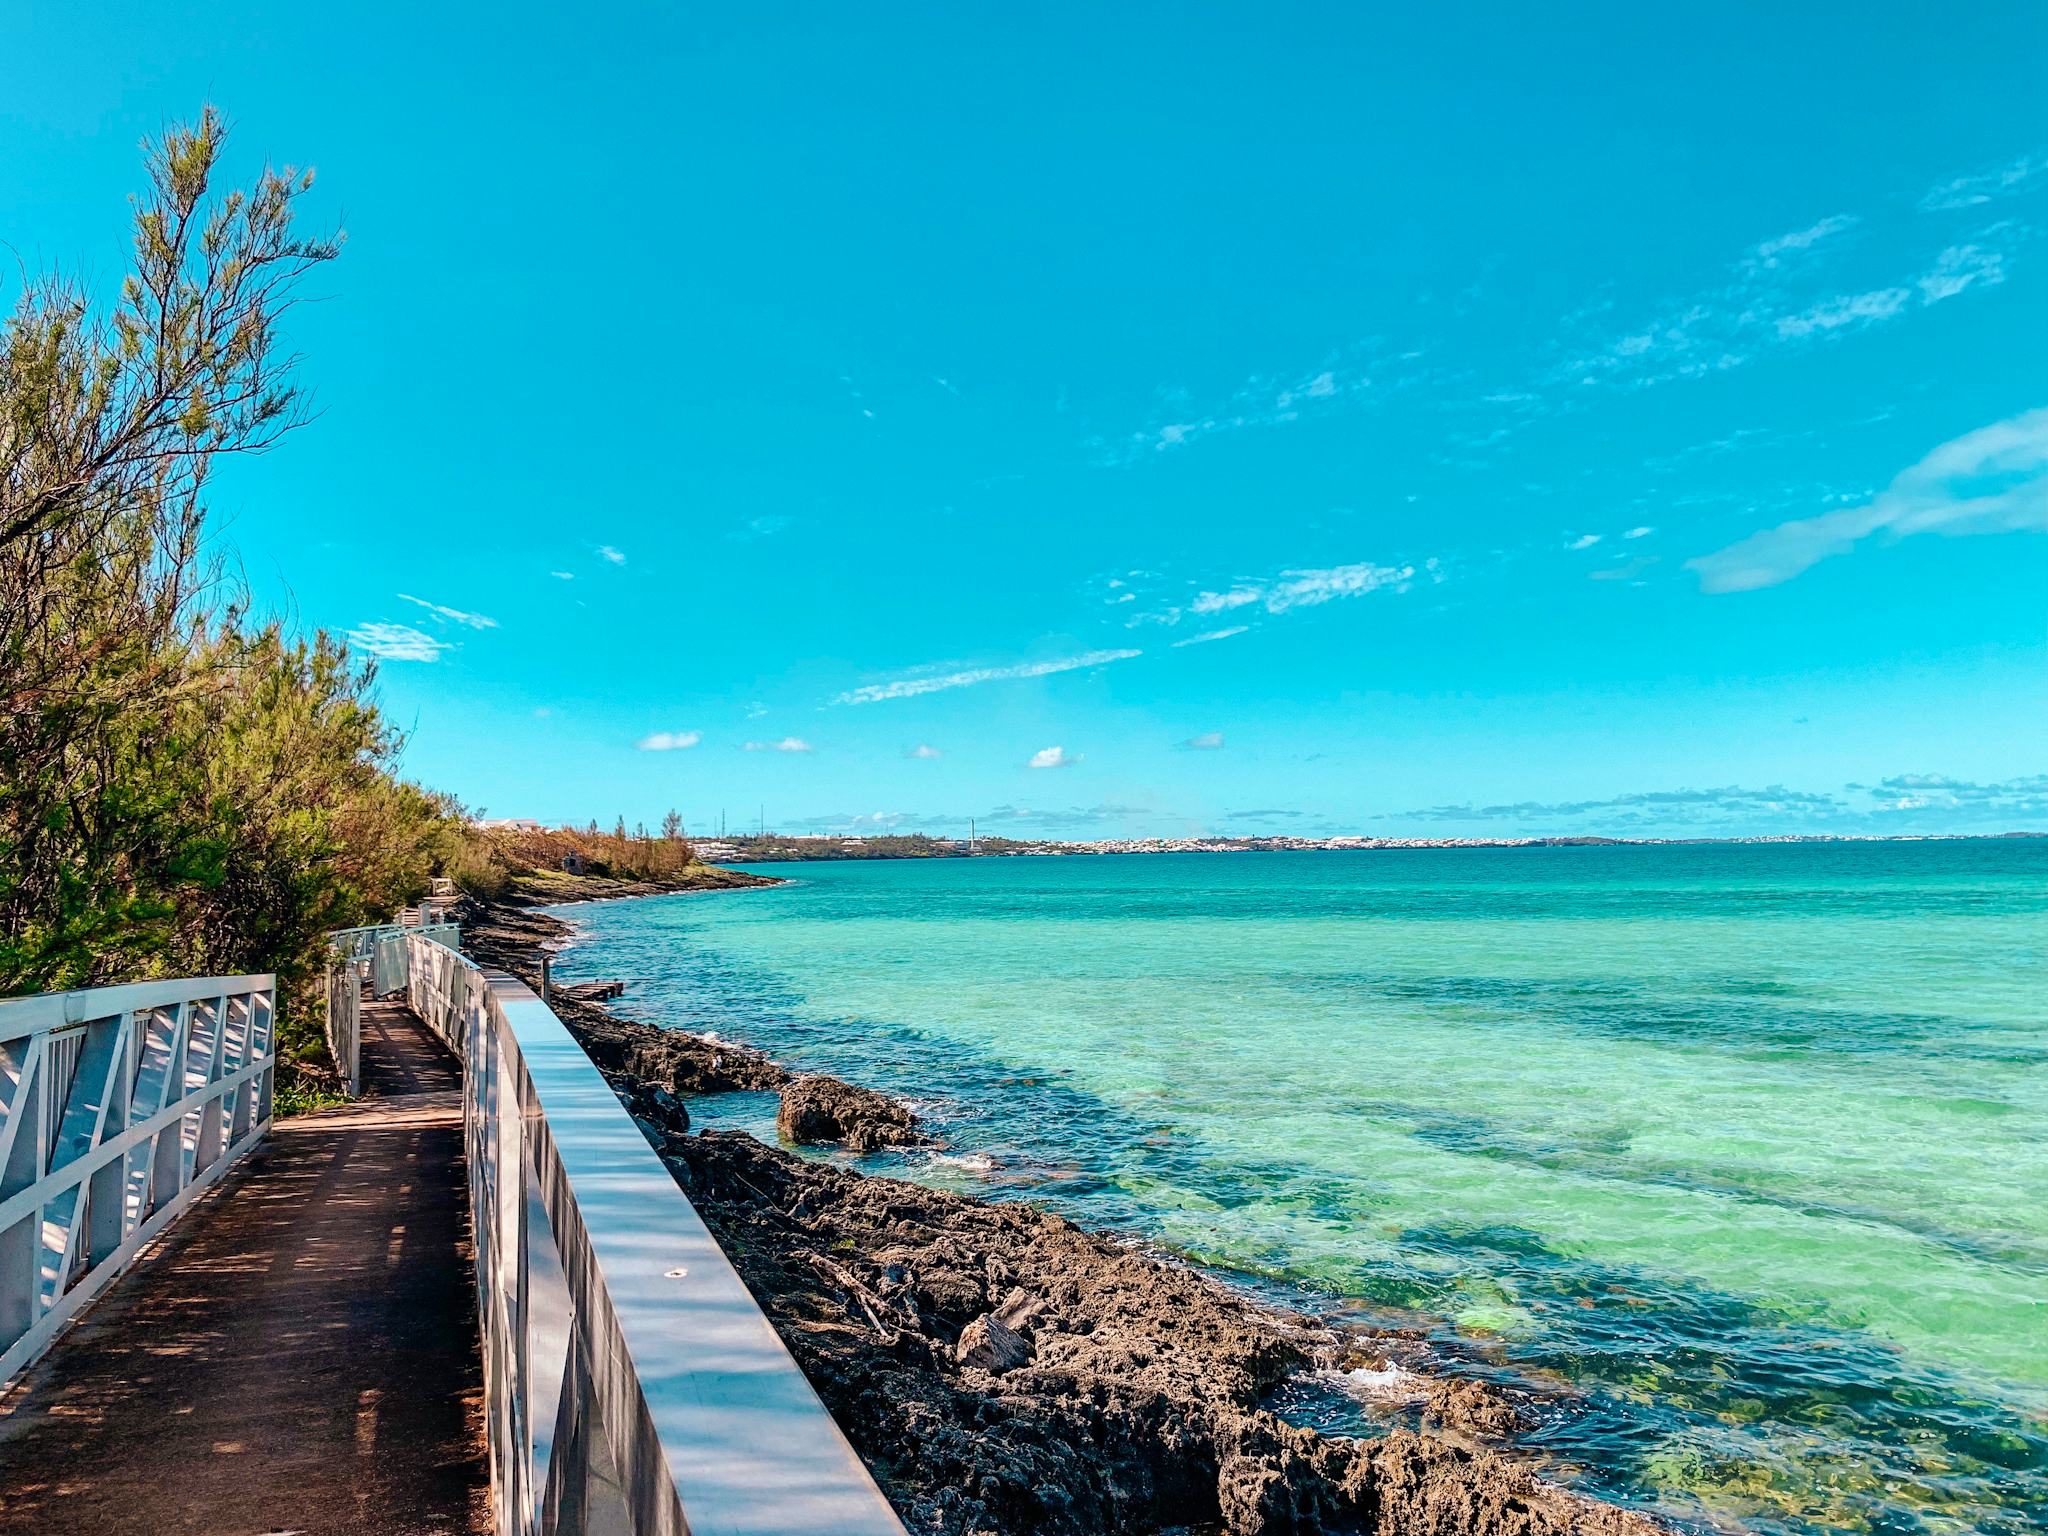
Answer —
117 1107
633 1386
369 959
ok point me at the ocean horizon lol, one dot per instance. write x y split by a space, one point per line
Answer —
1733 1150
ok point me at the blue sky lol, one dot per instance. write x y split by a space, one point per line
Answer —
1181 419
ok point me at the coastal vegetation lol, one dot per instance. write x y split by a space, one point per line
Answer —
186 786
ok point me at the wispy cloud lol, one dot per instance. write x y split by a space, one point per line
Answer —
1992 480
765 527
607 553
1261 401
1845 310
787 744
1052 757
1206 741
1961 266
923 752
396 642
1664 805
1904 803
452 615
1981 187
1771 298
1303 588
1584 541
563 575
1207 635
1779 249
921 683
669 741
1909 793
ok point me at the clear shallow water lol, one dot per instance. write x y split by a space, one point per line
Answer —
1746 1145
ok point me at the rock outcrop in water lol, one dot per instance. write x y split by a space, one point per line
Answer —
817 1109
1004 1373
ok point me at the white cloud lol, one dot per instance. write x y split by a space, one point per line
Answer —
1767 301
1956 268
606 552
1982 186
669 741
1222 602
923 751
1847 309
1213 634
1993 480
563 575
1261 401
787 744
396 642
1304 588
541 712
1639 533
1206 741
910 687
1773 252
452 615
1584 541
1052 757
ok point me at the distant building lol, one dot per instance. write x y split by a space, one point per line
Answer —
573 863
507 824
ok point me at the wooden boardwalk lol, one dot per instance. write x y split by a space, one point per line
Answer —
300 1355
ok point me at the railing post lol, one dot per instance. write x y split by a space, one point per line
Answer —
118 1105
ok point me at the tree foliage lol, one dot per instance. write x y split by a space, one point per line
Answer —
182 790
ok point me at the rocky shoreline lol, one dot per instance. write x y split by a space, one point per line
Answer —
1006 1373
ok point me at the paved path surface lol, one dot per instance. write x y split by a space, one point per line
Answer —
300 1355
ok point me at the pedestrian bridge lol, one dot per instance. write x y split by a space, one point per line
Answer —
471 1300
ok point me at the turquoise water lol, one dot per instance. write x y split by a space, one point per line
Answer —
1747 1146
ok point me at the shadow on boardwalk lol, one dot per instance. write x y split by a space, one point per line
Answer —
300 1355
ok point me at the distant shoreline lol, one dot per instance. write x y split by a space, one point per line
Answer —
773 848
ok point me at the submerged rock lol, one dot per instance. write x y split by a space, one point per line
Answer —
823 1109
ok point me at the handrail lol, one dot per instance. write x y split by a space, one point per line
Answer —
633 1384
371 958
118 1106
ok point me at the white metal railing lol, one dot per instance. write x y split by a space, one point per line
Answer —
117 1107
368 959
633 1386
345 978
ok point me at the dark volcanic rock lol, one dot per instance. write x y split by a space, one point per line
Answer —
1128 1401
818 1108
988 1344
1474 1407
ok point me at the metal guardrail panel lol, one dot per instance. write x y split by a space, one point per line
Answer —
118 1106
633 1385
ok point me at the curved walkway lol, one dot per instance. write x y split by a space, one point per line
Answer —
300 1354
